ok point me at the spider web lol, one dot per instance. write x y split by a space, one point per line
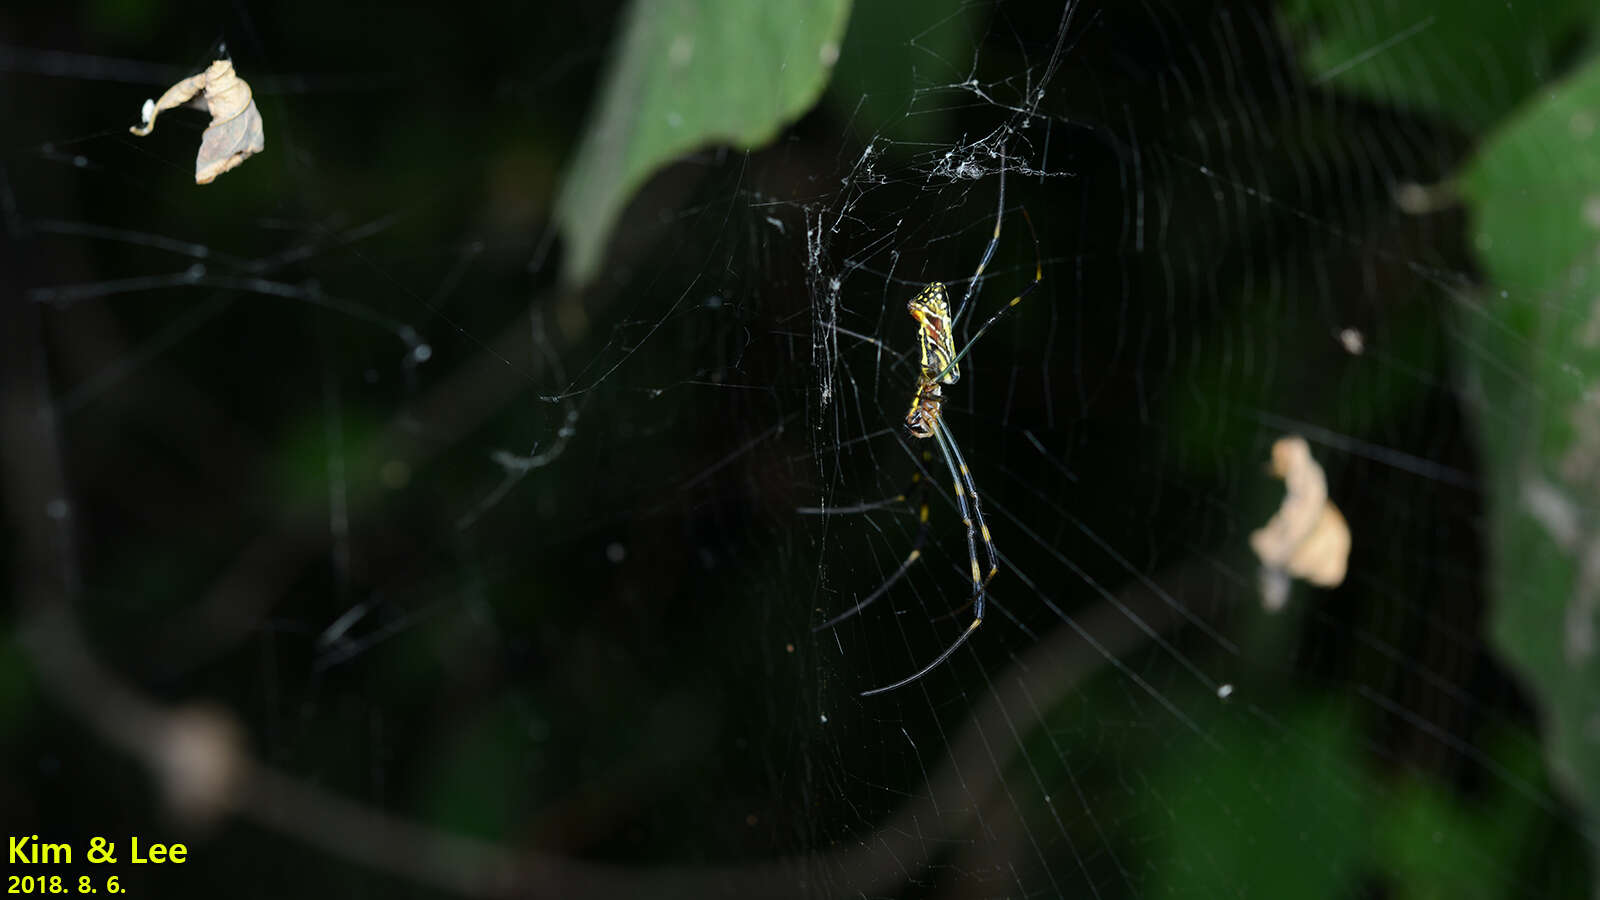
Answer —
510 589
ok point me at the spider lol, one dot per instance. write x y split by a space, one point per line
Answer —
940 366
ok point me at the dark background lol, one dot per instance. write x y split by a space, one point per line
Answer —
284 506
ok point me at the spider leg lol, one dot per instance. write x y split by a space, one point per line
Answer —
1038 276
918 487
982 527
988 252
905 566
930 666
964 486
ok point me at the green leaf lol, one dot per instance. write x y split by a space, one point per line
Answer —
1274 814
1435 844
1469 62
686 74
1533 347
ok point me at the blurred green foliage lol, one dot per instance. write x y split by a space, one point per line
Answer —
1531 360
688 74
1293 801
1438 845
1468 62
479 774
1534 191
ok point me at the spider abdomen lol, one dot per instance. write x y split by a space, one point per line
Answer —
925 410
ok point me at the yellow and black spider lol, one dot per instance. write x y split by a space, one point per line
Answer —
939 366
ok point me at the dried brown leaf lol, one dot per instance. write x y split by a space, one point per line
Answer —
1308 537
235 133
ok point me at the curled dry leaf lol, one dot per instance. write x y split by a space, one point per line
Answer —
234 134
1308 537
